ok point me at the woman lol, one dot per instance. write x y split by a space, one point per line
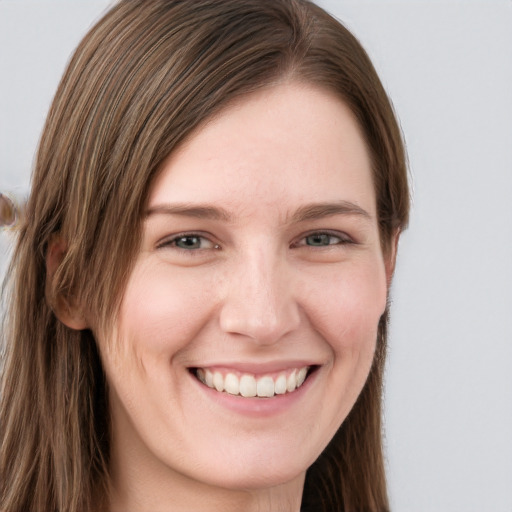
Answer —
198 298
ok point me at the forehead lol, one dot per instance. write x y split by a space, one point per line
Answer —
280 147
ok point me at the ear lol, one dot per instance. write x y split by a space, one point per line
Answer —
390 257
69 313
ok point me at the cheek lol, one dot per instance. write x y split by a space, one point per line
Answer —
161 313
346 311
347 308
161 306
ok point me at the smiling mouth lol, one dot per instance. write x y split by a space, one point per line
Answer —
248 385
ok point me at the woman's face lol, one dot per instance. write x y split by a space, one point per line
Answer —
260 264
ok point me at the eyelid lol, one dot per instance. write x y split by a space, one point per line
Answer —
170 241
341 235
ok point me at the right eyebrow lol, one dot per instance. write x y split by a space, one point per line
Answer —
197 211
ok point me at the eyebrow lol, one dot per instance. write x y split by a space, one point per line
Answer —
320 210
191 210
307 212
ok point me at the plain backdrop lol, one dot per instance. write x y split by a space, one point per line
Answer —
448 68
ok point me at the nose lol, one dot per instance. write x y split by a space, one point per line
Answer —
259 302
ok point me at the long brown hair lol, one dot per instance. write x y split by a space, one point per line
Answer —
140 82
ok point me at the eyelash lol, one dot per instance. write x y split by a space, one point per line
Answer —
342 239
172 242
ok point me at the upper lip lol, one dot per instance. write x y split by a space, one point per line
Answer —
258 368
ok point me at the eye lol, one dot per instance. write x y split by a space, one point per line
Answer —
189 242
323 239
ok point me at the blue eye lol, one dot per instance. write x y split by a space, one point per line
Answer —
321 240
188 242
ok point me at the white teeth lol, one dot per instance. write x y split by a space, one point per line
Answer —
301 377
265 387
218 381
280 385
231 384
291 382
250 386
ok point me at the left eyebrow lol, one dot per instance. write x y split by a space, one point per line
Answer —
320 210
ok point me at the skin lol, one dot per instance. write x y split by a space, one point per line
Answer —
260 250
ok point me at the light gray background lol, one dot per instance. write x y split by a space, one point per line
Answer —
448 67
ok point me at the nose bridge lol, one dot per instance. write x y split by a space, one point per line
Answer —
259 302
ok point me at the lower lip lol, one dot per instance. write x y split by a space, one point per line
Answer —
257 407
